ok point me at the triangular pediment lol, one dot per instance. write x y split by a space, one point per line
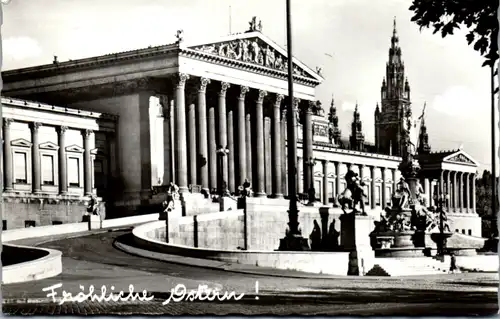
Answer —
460 157
255 48
49 146
21 142
74 149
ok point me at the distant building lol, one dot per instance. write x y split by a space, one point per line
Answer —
230 93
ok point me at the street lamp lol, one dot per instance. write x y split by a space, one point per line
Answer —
311 162
440 201
221 152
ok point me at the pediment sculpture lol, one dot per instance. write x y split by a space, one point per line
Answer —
252 50
461 158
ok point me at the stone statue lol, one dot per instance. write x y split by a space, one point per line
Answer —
419 191
253 24
255 51
93 206
401 196
245 190
353 194
315 237
172 195
180 36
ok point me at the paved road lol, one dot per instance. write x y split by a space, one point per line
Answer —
93 260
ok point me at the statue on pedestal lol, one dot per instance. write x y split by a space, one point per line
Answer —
172 195
353 194
93 206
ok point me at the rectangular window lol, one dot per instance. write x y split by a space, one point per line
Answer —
74 171
330 192
463 231
20 168
56 222
48 170
377 195
4 224
29 223
388 195
470 232
319 189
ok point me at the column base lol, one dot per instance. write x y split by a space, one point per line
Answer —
278 196
183 189
260 195
8 189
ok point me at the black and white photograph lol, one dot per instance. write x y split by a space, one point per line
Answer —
249 157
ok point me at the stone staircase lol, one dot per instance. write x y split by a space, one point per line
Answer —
407 267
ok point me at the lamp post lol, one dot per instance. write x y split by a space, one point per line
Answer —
311 162
221 152
440 201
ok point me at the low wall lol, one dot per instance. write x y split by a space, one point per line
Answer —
31 232
45 263
333 263
117 222
220 230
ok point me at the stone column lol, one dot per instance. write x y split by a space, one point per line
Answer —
87 160
248 144
212 147
168 164
473 192
241 132
384 188
455 191
460 192
7 151
441 183
307 144
180 133
448 190
63 171
259 136
467 193
394 181
230 146
372 187
337 183
284 170
35 154
202 134
325 182
223 127
192 149
300 162
276 148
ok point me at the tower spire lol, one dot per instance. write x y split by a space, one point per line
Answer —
423 138
333 119
357 138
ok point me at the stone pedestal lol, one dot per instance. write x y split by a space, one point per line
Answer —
294 243
95 222
228 203
354 237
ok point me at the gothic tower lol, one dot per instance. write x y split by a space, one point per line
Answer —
334 131
357 138
395 103
423 138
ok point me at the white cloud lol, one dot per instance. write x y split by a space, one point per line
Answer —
21 48
457 101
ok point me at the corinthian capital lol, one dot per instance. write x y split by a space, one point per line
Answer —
203 85
87 133
35 126
181 79
244 90
311 105
279 98
61 129
261 96
223 88
7 122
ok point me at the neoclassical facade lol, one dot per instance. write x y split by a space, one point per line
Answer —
54 158
222 107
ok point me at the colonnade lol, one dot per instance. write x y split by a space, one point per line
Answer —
460 188
36 174
249 123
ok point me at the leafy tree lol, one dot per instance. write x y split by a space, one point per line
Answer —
483 203
479 17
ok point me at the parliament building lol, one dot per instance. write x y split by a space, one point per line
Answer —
119 126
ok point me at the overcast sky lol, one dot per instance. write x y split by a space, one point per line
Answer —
348 39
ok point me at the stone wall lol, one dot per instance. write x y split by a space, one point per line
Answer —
43 212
